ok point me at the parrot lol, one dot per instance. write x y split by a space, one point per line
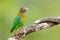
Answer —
20 18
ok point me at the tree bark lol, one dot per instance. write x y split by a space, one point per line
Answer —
35 26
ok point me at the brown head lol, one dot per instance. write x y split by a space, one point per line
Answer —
24 9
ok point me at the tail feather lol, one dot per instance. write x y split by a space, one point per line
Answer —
12 30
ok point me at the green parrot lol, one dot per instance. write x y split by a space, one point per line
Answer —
20 19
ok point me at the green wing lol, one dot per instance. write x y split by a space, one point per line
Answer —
17 23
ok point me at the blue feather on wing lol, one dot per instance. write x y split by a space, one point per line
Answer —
16 22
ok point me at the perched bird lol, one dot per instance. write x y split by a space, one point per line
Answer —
20 19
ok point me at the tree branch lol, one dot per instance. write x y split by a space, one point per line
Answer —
35 26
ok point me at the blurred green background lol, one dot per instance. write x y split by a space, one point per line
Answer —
38 9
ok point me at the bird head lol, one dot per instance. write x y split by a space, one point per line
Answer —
24 9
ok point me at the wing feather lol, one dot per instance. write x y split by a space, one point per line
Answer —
16 23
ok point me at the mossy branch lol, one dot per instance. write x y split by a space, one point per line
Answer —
35 26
